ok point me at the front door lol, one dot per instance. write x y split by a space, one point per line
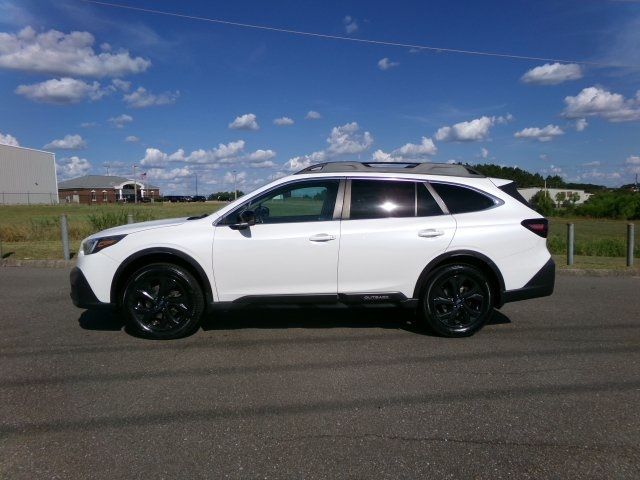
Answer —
291 250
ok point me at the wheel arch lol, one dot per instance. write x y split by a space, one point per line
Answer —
158 255
468 257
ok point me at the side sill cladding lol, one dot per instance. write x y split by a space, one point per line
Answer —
473 258
158 254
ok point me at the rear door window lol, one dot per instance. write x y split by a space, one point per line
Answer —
459 199
388 198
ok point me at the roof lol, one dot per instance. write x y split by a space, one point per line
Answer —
97 181
26 148
456 170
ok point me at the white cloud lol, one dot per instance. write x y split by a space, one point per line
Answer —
350 24
89 124
304 161
484 153
222 154
239 178
55 52
343 140
283 121
261 155
581 124
596 101
382 156
313 115
72 167
245 122
595 163
142 98
6 139
471 131
263 164
595 174
545 134
121 120
633 160
162 174
69 142
552 74
386 64
132 139
122 85
62 91
411 150
347 139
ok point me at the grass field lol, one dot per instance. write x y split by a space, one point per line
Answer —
33 231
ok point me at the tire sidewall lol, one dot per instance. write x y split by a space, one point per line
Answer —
194 290
426 307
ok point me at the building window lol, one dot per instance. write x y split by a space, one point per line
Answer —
105 196
93 196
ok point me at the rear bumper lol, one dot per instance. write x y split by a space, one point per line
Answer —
541 285
81 293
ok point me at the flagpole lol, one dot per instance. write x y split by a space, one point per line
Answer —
135 185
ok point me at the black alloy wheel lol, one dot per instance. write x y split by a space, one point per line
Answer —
457 301
163 301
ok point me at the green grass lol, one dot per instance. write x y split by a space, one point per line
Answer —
33 231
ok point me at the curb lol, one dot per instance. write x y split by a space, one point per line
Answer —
596 272
7 262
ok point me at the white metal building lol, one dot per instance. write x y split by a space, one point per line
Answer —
528 193
27 176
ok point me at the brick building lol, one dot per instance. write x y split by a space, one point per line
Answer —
100 189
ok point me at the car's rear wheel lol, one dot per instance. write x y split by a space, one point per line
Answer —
456 300
163 301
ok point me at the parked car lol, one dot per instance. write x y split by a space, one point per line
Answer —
198 198
439 238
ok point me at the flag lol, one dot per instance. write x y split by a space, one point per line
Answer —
143 175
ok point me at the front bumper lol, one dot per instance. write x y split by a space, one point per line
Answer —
541 285
81 293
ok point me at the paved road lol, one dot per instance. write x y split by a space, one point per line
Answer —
550 389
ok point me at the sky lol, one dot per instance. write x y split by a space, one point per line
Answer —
107 88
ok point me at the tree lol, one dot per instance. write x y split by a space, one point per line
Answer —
574 197
560 198
543 203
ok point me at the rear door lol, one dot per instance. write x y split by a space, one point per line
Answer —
391 230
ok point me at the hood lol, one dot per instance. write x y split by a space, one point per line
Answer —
138 227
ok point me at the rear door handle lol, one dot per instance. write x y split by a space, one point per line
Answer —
430 233
322 237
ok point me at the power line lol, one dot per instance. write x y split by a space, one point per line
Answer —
358 40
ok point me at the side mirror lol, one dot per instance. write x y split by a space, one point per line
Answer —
247 219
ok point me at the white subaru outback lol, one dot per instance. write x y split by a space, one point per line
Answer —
440 238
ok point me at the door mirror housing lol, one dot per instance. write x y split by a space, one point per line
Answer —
246 220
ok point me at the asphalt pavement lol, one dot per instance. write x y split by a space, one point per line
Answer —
550 389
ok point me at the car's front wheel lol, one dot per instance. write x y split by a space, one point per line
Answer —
456 300
163 301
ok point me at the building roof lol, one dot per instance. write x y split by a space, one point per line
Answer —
98 181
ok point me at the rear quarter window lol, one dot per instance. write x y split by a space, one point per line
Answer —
459 199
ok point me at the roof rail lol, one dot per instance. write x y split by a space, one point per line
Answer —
451 169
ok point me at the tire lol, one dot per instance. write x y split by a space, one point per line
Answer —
456 300
163 301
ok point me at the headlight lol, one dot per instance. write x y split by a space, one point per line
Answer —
94 245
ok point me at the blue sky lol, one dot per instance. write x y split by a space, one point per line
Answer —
177 97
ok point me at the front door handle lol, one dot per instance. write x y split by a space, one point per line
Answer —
430 233
322 237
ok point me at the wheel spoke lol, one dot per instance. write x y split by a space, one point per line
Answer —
443 301
145 294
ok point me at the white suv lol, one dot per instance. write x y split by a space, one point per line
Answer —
440 238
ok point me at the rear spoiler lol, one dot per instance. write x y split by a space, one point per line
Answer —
510 188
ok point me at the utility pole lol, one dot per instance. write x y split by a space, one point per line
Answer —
106 166
135 185
235 188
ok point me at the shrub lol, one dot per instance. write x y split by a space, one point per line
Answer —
110 219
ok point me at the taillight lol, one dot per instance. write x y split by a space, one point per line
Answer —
539 226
